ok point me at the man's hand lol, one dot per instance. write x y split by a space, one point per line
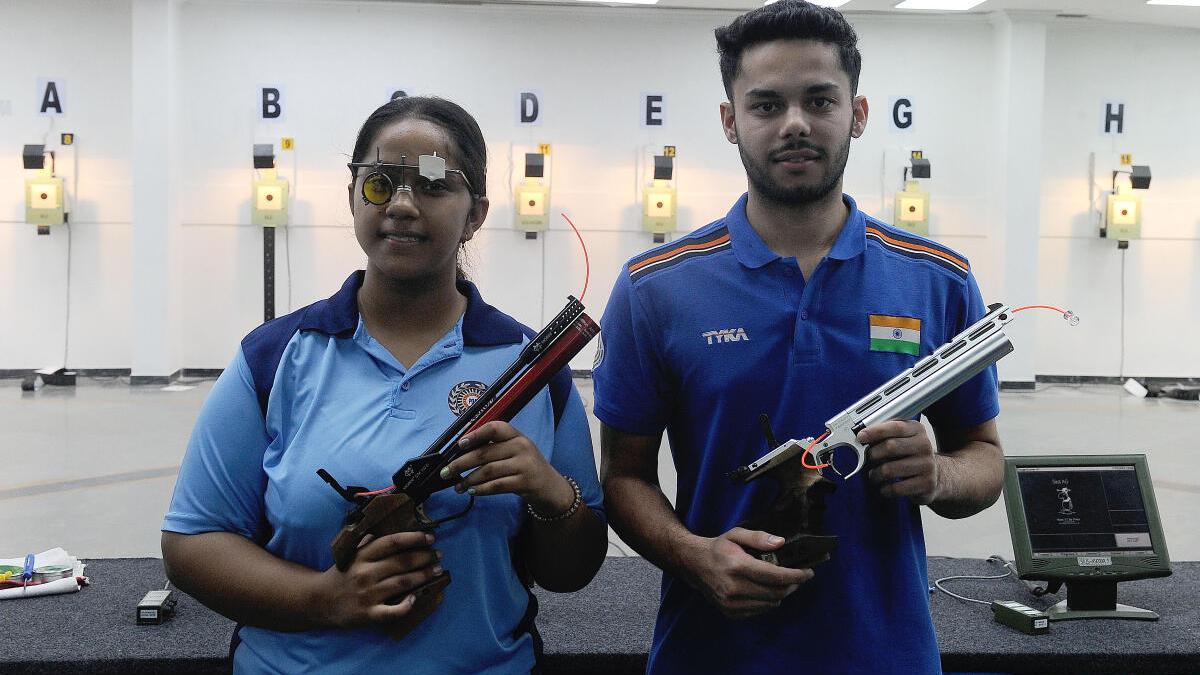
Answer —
738 584
902 460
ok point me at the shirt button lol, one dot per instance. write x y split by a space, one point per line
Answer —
804 316
405 386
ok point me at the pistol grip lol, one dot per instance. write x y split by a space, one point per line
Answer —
428 596
386 514
799 551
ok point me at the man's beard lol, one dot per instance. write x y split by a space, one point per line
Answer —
760 177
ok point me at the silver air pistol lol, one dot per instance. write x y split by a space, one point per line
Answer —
902 397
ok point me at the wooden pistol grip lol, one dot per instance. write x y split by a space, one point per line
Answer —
388 514
796 516
428 596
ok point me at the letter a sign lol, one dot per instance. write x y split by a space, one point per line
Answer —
50 96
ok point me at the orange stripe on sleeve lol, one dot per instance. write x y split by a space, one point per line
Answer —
675 251
918 247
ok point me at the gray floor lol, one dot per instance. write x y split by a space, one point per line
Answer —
91 468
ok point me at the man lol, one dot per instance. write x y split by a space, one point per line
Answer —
770 310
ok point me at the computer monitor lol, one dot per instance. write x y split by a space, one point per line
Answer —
1088 521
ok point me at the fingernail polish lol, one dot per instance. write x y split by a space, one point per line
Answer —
445 472
471 491
464 442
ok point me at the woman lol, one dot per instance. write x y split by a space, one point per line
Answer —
357 384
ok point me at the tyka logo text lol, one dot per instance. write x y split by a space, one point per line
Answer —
725 335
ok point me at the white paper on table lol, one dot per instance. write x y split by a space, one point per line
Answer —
65 585
54 556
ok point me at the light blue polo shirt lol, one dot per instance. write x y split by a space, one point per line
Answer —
703 335
337 399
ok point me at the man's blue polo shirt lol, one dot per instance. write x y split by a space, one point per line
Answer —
702 336
337 399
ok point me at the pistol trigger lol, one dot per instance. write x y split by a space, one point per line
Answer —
861 457
423 519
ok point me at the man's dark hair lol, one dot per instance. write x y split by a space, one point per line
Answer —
787 20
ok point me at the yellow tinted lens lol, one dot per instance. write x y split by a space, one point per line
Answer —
377 189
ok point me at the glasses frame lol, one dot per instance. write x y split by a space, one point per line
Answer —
431 167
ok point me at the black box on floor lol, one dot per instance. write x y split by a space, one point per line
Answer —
58 378
155 608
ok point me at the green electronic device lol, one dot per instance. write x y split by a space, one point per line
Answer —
532 194
912 209
1087 521
269 203
659 207
1124 215
44 199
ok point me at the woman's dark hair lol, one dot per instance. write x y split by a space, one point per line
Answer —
787 20
463 129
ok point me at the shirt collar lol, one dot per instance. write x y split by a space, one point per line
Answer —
753 252
482 324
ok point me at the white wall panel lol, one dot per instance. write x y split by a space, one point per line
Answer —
337 60
85 45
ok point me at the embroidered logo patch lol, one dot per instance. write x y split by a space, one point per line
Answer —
895 334
464 394
725 335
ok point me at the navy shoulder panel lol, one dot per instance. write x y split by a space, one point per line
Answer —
560 392
263 348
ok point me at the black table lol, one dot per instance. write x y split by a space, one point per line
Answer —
606 627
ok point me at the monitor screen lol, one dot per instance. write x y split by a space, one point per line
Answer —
1077 510
1084 516
1088 521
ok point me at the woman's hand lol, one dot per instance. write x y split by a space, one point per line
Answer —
375 589
505 461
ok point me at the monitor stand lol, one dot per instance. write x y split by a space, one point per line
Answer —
1094 600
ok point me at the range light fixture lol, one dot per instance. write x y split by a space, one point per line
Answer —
659 203
943 5
532 196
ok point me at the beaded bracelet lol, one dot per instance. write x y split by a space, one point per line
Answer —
565 514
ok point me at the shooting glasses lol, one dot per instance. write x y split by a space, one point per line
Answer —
428 178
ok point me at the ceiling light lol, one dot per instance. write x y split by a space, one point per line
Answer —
1177 3
819 3
948 5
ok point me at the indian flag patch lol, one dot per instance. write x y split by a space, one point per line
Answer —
895 334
